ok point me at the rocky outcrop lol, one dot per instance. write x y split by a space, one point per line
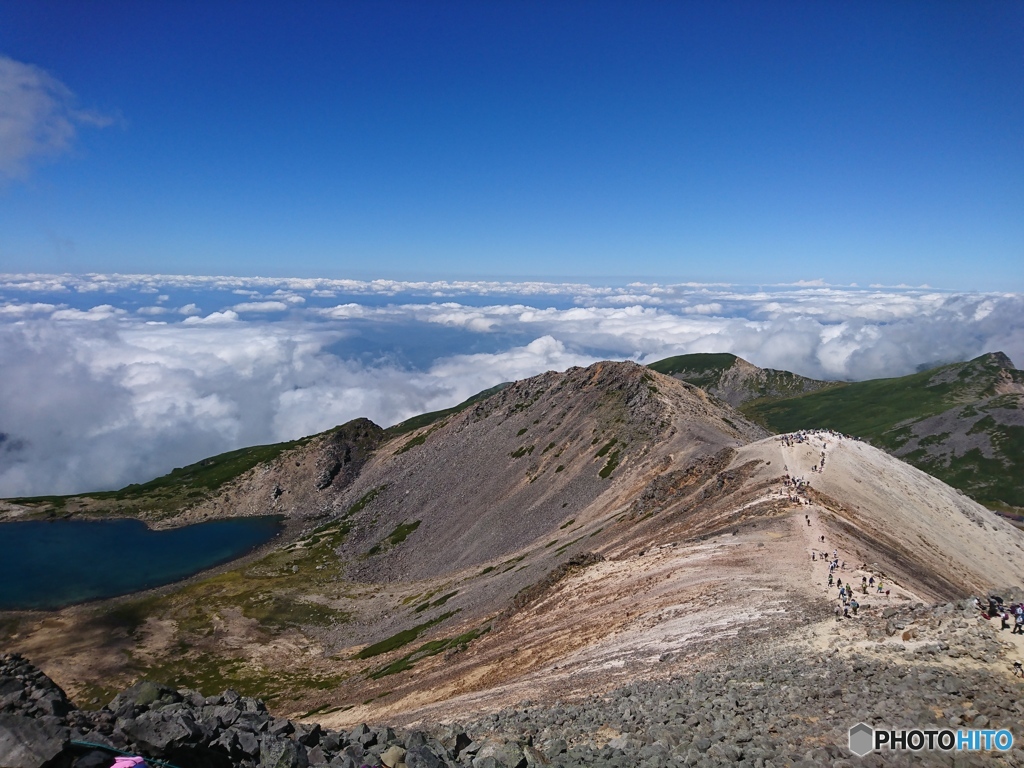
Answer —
186 729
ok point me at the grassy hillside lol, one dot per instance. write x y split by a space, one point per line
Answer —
963 423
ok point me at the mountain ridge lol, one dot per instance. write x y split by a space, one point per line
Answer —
455 565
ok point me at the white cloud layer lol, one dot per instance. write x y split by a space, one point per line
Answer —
95 394
39 117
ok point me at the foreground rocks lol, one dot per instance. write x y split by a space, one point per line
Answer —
782 706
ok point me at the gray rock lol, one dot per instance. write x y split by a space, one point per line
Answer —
29 743
276 752
144 695
247 742
555 748
155 732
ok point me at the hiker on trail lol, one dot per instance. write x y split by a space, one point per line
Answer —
830 579
839 583
839 613
1018 628
887 594
1004 618
813 556
855 605
871 581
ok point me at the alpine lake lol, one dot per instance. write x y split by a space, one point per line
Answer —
51 564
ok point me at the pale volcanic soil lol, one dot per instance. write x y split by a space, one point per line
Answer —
680 605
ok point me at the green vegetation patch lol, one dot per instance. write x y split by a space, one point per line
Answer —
281 612
366 499
396 537
440 601
420 439
510 564
432 648
522 451
606 447
206 475
868 409
610 465
401 638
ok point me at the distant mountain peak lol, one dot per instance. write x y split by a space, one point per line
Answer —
999 359
735 380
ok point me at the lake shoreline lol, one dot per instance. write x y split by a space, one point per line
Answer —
123 544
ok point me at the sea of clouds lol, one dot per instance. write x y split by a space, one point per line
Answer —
113 379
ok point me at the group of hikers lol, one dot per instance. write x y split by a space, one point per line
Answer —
1010 615
803 436
847 601
795 487
847 604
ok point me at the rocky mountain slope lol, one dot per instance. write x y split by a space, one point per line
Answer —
962 422
602 530
734 380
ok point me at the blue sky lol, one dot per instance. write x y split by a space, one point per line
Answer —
740 142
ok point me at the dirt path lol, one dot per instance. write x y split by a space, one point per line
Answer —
807 461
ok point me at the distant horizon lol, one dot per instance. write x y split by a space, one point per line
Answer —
594 281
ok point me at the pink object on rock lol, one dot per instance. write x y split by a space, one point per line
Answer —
128 762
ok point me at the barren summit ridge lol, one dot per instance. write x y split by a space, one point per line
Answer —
488 481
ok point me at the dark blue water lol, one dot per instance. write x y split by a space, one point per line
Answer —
57 563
